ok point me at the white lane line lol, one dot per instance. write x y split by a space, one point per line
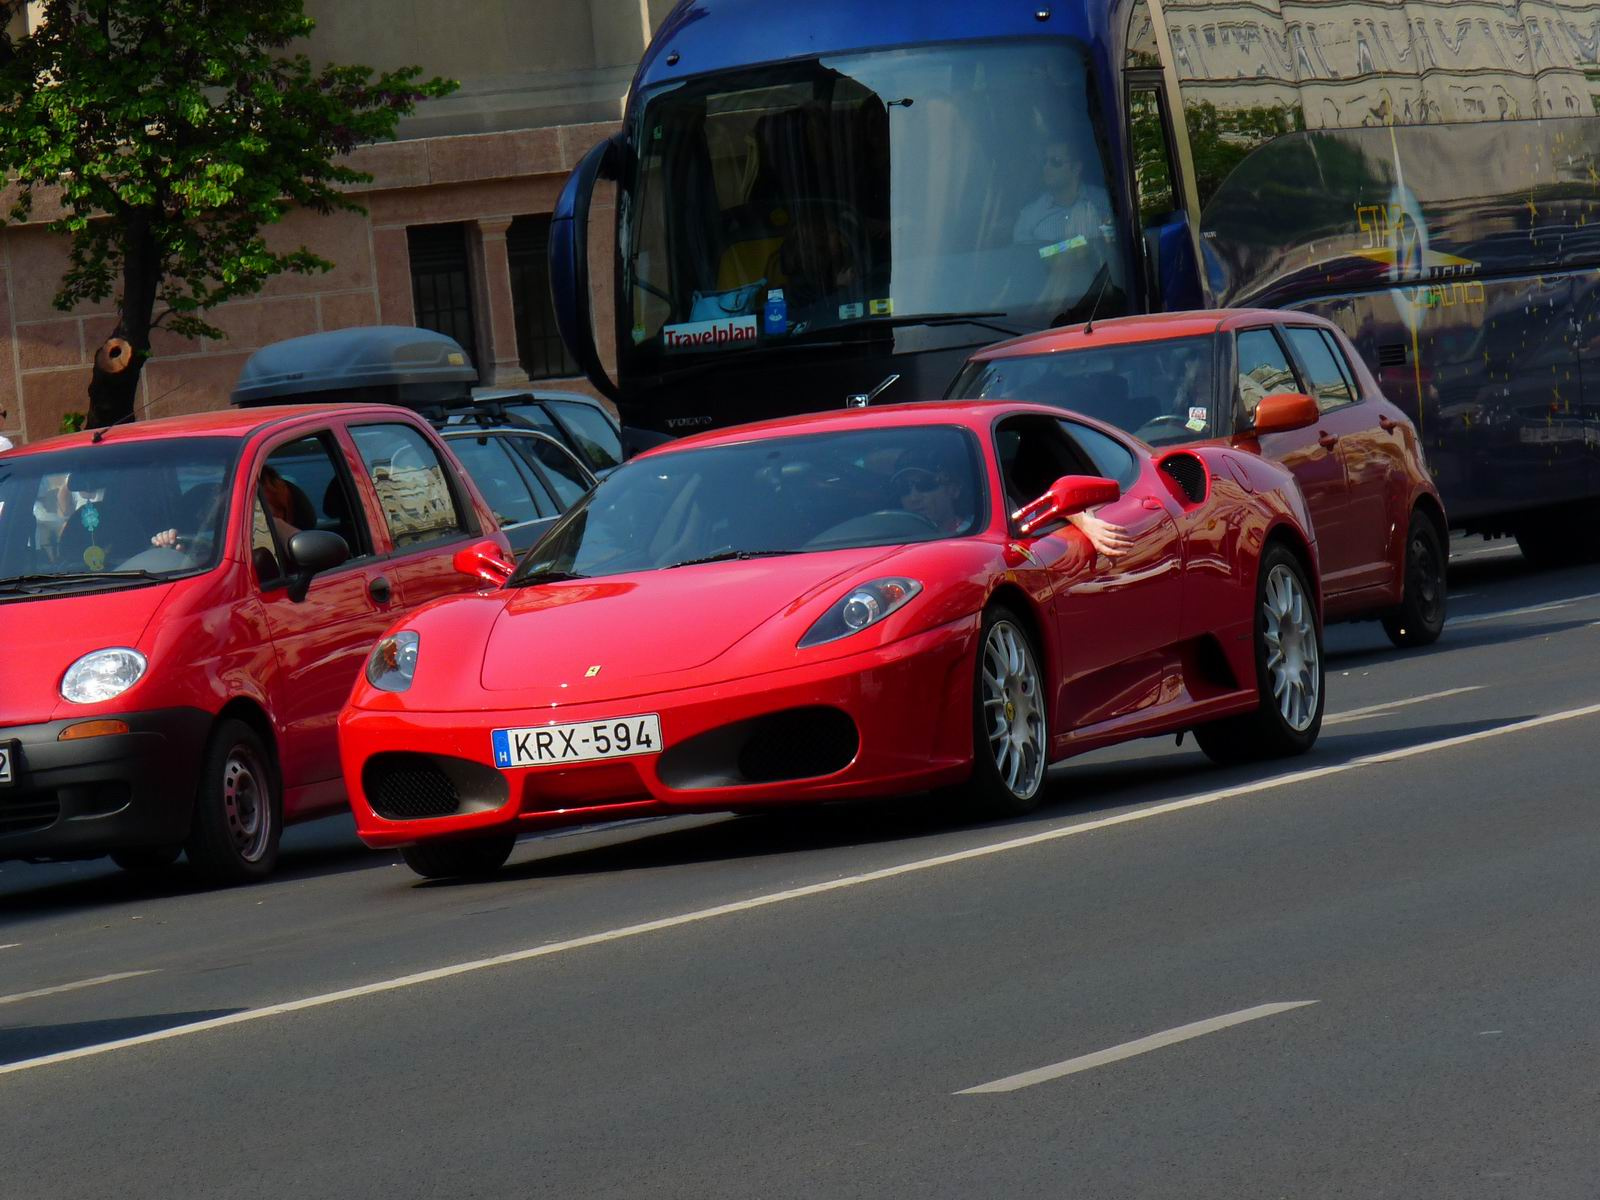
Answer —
1375 710
71 987
772 898
1476 618
10 946
1144 1045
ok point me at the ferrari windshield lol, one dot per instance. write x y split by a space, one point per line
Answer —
1161 392
774 496
851 193
111 515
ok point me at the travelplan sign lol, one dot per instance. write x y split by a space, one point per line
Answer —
710 335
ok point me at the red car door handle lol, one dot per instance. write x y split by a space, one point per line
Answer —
1151 503
379 589
1327 440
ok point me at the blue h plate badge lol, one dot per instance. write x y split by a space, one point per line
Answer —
501 739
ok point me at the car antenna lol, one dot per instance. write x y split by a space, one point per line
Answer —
1105 278
100 433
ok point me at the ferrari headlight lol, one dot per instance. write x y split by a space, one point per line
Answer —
394 661
102 675
865 605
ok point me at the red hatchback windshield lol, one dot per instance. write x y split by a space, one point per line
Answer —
84 518
1159 391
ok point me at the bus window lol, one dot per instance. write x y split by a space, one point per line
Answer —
1263 371
1152 158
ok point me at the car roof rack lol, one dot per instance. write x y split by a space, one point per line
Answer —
387 364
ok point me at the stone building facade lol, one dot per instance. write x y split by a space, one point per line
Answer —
457 213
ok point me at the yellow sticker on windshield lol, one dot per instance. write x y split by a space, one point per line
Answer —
880 308
94 557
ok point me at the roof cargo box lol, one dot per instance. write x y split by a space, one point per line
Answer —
388 364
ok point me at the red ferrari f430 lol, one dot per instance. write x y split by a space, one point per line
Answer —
839 606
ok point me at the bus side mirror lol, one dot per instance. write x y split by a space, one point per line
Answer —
569 259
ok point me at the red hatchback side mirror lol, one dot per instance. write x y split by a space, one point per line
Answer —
1284 412
1067 495
483 560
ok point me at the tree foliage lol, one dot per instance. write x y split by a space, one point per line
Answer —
176 131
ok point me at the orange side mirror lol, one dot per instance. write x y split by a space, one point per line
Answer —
1286 411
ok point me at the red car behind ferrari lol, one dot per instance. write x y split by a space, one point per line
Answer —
839 606
1198 378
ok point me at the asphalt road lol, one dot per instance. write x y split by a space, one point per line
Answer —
1368 972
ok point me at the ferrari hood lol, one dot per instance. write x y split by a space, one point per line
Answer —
41 637
604 638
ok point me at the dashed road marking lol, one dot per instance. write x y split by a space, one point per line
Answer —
1378 710
18 997
1144 1045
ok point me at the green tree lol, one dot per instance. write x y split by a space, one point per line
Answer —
176 131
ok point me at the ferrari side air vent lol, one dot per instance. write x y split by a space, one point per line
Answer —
1189 473
1392 355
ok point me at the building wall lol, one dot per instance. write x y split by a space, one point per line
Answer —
541 83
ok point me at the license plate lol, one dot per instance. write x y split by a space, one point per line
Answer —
542 745
7 754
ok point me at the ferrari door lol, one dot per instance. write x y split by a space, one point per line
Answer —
1116 620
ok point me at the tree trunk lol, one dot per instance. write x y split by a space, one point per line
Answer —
119 362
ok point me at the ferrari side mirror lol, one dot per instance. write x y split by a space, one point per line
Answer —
1067 495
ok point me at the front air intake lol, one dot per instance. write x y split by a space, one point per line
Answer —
799 743
406 787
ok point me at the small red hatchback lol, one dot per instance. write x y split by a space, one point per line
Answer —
1210 377
184 606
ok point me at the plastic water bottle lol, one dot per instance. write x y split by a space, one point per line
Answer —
776 316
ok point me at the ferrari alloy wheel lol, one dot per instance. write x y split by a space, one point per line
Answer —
1420 618
474 857
1011 736
238 814
1289 673
1294 652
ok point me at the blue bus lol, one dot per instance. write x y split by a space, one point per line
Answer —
819 203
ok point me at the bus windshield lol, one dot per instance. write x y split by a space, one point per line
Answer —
851 193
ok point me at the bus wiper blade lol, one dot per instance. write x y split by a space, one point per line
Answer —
730 556
981 319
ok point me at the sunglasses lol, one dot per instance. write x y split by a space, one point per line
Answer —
920 482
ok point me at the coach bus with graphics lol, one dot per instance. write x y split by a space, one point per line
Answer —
818 203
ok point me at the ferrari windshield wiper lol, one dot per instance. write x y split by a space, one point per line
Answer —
729 556
544 577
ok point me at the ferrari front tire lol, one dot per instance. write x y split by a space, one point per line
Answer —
1010 719
475 857
1289 674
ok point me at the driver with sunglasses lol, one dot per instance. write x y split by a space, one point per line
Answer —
1064 216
